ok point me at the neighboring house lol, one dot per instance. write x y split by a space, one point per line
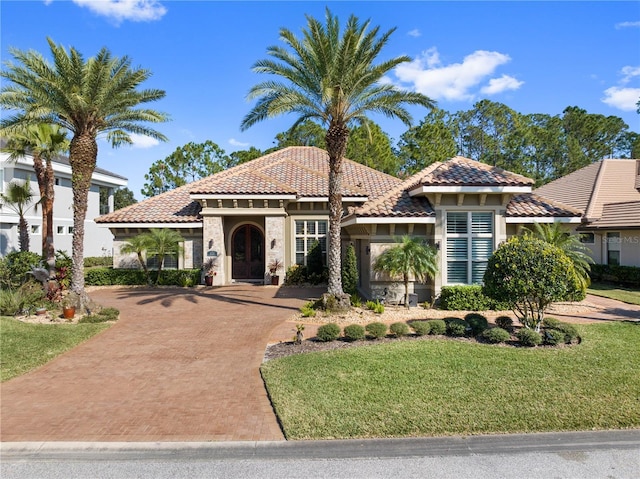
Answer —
607 194
276 206
97 242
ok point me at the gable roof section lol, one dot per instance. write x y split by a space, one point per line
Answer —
294 171
464 172
596 188
298 170
396 203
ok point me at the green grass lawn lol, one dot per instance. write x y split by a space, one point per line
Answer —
446 387
627 295
25 346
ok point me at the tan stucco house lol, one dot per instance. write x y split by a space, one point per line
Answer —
607 194
276 206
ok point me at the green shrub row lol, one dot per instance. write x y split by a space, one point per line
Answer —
301 275
130 277
626 275
468 298
554 332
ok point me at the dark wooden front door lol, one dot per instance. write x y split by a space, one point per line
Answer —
248 253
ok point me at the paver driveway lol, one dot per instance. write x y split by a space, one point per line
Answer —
179 365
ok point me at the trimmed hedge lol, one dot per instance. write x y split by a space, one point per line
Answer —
354 332
421 328
626 275
376 330
468 298
437 326
477 322
529 337
328 332
399 329
496 335
131 277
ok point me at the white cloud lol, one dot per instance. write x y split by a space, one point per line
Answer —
457 81
235 142
622 96
498 85
120 10
628 73
414 33
143 141
624 99
627 25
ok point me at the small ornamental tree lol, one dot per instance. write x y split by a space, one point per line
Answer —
350 271
529 275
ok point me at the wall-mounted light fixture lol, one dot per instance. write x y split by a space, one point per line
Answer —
273 243
210 243
437 245
368 249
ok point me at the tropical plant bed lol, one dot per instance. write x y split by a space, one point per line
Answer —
458 387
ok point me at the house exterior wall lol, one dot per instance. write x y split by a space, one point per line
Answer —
98 241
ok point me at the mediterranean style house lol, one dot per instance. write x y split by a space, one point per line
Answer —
607 194
97 242
276 206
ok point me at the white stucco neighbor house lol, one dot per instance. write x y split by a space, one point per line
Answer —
97 241
276 206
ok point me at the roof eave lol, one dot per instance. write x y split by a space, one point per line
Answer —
422 190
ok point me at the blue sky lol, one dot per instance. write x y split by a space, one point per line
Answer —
535 57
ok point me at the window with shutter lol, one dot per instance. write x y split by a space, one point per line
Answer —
469 245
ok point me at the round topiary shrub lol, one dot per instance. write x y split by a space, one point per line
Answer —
529 337
569 330
437 326
496 335
399 329
354 332
421 328
456 327
550 323
328 332
477 322
376 330
504 322
553 337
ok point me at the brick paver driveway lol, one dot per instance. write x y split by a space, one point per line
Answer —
181 364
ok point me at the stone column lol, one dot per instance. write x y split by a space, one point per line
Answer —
274 239
213 241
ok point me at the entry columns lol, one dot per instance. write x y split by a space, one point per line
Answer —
274 244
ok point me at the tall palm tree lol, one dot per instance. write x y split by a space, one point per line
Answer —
411 257
19 198
43 142
330 77
557 235
161 242
139 244
88 98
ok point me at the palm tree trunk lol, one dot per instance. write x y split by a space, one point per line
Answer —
46 182
406 291
23 234
336 139
83 153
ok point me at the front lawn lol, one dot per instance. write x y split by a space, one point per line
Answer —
25 346
626 295
451 387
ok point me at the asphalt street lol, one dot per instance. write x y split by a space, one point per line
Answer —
610 454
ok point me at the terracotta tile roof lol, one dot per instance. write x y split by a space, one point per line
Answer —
397 202
533 205
175 206
619 216
460 171
301 171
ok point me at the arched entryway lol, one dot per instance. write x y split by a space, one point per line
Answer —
247 253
